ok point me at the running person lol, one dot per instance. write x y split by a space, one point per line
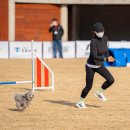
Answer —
98 54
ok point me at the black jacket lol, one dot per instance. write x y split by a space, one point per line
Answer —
57 32
98 50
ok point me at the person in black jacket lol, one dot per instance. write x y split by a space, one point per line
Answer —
98 54
57 33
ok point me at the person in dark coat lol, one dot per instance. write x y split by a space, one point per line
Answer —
57 34
98 54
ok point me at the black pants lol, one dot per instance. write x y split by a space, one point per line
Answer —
90 76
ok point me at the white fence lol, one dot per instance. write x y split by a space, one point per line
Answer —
71 49
4 50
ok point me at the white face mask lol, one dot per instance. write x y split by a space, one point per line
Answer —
99 34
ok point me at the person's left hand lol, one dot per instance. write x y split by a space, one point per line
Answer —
111 59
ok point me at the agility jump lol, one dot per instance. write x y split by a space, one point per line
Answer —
47 71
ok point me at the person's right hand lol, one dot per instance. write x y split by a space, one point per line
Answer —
51 25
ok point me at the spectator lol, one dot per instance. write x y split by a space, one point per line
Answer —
57 33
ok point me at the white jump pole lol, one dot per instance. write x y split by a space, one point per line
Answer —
33 69
15 82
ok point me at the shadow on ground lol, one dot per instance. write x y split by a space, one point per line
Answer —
66 103
15 110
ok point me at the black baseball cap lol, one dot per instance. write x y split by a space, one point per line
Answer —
98 27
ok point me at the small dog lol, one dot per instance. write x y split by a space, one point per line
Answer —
23 100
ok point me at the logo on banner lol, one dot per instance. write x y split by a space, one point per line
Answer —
23 50
17 49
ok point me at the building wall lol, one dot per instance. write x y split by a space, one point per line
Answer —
116 20
3 20
77 1
33 21
74 28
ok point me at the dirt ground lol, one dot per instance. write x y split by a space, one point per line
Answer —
57 111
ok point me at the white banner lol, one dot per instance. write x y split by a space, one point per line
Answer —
119 44
4 49
47 49
82 49
22 49
68 49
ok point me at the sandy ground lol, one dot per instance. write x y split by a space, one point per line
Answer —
57 110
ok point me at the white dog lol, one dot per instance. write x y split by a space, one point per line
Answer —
23 100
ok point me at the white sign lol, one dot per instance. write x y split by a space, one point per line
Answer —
4 49
119 44
82 49
69 49
47 49
22 49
